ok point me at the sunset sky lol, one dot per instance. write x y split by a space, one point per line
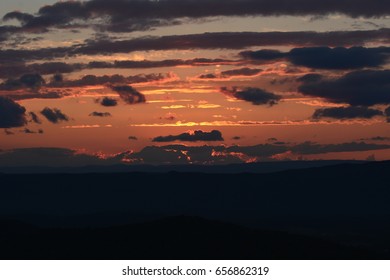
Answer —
193 81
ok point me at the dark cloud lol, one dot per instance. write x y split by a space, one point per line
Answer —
163 63
310 78
29 131
108 102
22 17
11 113
180 154
209 76
232 73
169 117
241 72
307 148
376 138
222 40
48 157
100 114
157 155
60 15
91 80
353 112
235 40
8 132
34 118
6 31
177 154
359 88
57 68
387 113
129 94
22 55
255 95
265 55
54 115
127 16
36 95
57 78
197 135
13 69
236 138
339 58
327 58
133 138
53 67
33 81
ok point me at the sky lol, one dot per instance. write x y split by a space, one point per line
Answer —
193 82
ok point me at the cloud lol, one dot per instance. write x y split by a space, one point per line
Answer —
376 138
11 113
15 69
325 57
28 131
34 118
100 114
241 72
48 157
310 78
92 80
219 40
314 148
359 88
339 58
387 113
132 138
178 154
255 95
234 40
162 63
53 67
209 76
8 132
197 135
54 115
353 112
6 31
129 94
265 55
169 117
33 81
108 102
181 154
157 155
128 16
9 56
36 95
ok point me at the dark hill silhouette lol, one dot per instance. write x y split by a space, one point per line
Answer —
259 167
173 238
345 204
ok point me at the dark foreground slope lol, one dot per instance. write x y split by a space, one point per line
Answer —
332 212
174 238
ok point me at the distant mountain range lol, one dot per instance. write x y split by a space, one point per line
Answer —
326 212
261 167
